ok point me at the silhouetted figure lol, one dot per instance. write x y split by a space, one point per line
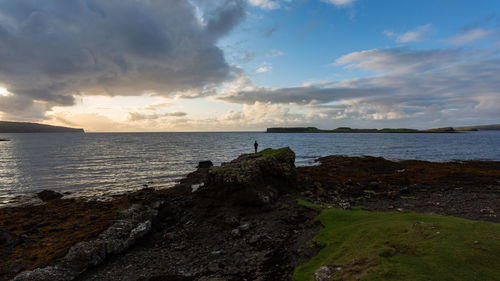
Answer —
256 145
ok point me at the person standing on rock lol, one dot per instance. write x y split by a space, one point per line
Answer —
255 145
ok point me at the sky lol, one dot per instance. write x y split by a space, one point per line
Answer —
246 65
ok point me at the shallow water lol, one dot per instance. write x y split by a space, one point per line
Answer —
97 164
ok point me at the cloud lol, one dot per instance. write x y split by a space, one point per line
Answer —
247 57
137 116
157 106
265 4
261 115
340 3
269 32
303 95
389 33
53 50
274 53
469 36
444 87
416 35
399 60
263 69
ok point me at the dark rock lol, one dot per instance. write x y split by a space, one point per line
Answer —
29 225
392 194
169 236
180 247
253 179
48 195
232 221
405 190
173 277
43 224
254 239
235 232
244 227
83 254
93 218
205 164
5 238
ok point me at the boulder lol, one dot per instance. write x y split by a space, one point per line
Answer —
205 164
48 195
253 179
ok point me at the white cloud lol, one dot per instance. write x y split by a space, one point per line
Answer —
265 4
470 36
416 35
262 69
398 60
340 3
389 33
274 53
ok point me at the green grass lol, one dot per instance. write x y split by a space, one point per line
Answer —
403 246
271 152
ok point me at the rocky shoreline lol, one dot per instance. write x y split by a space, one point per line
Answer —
241 223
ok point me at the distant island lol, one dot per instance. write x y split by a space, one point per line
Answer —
385 130
26 127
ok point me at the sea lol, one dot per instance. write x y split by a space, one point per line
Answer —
101 165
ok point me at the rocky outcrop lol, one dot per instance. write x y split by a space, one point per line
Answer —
252 179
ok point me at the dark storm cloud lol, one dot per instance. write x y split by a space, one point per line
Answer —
51 50
299 95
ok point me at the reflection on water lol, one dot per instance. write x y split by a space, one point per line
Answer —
105 164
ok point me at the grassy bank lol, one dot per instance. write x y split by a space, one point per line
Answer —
362 245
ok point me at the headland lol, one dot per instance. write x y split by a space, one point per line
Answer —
26 127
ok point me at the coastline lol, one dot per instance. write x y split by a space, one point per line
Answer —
263 231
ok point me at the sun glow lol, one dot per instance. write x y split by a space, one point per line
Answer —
4 92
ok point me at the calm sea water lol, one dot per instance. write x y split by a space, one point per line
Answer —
101 164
